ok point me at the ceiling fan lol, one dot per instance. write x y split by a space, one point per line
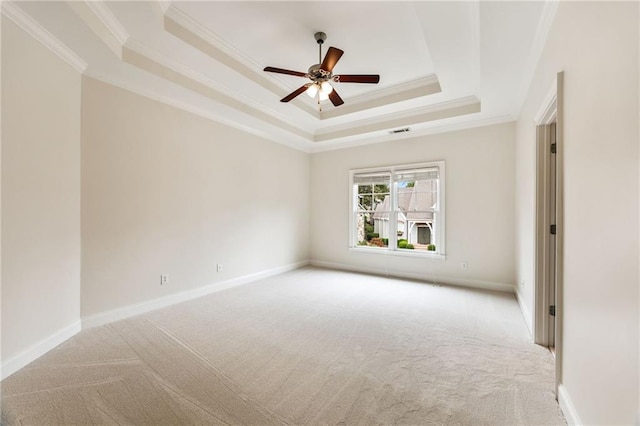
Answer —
321 75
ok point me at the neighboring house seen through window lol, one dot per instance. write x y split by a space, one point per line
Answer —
399 208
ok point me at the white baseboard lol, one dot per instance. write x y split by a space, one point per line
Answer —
525 313
36 351
569 411
140 308
462 282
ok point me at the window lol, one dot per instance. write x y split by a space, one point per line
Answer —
398 209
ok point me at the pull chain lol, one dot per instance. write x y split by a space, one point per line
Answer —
320 63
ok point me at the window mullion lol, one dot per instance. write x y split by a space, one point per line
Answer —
393 215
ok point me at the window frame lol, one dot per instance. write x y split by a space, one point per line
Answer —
392 249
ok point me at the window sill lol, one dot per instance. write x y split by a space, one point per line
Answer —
402 253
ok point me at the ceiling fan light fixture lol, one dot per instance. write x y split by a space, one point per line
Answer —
312 90
326 88
323 95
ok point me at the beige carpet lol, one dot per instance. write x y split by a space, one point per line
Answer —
310 346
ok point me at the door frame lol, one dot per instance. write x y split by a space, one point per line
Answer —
550 112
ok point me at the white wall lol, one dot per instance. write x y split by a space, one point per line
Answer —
168 192
596 44
479 206
40 194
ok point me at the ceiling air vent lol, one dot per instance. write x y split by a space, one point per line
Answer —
403 130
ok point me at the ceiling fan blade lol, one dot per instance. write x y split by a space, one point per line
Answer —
331 59
336 100
295 93
283 71
357 78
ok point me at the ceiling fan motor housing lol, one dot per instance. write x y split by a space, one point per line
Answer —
317 74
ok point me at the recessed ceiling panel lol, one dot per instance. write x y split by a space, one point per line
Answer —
442 65
377 37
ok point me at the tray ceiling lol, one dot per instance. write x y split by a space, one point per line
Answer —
442 65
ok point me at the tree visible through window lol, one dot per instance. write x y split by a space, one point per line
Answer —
372 193
399 208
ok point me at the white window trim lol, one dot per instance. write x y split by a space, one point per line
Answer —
440 253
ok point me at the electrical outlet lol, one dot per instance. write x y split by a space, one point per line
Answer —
464 265
164 279
219 267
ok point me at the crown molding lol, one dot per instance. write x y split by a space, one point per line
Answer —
163 5
431 130
102 23
462 106
303 146
37 31
178 16
142 57
417 84
192 32
388 95
109 20
155 56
